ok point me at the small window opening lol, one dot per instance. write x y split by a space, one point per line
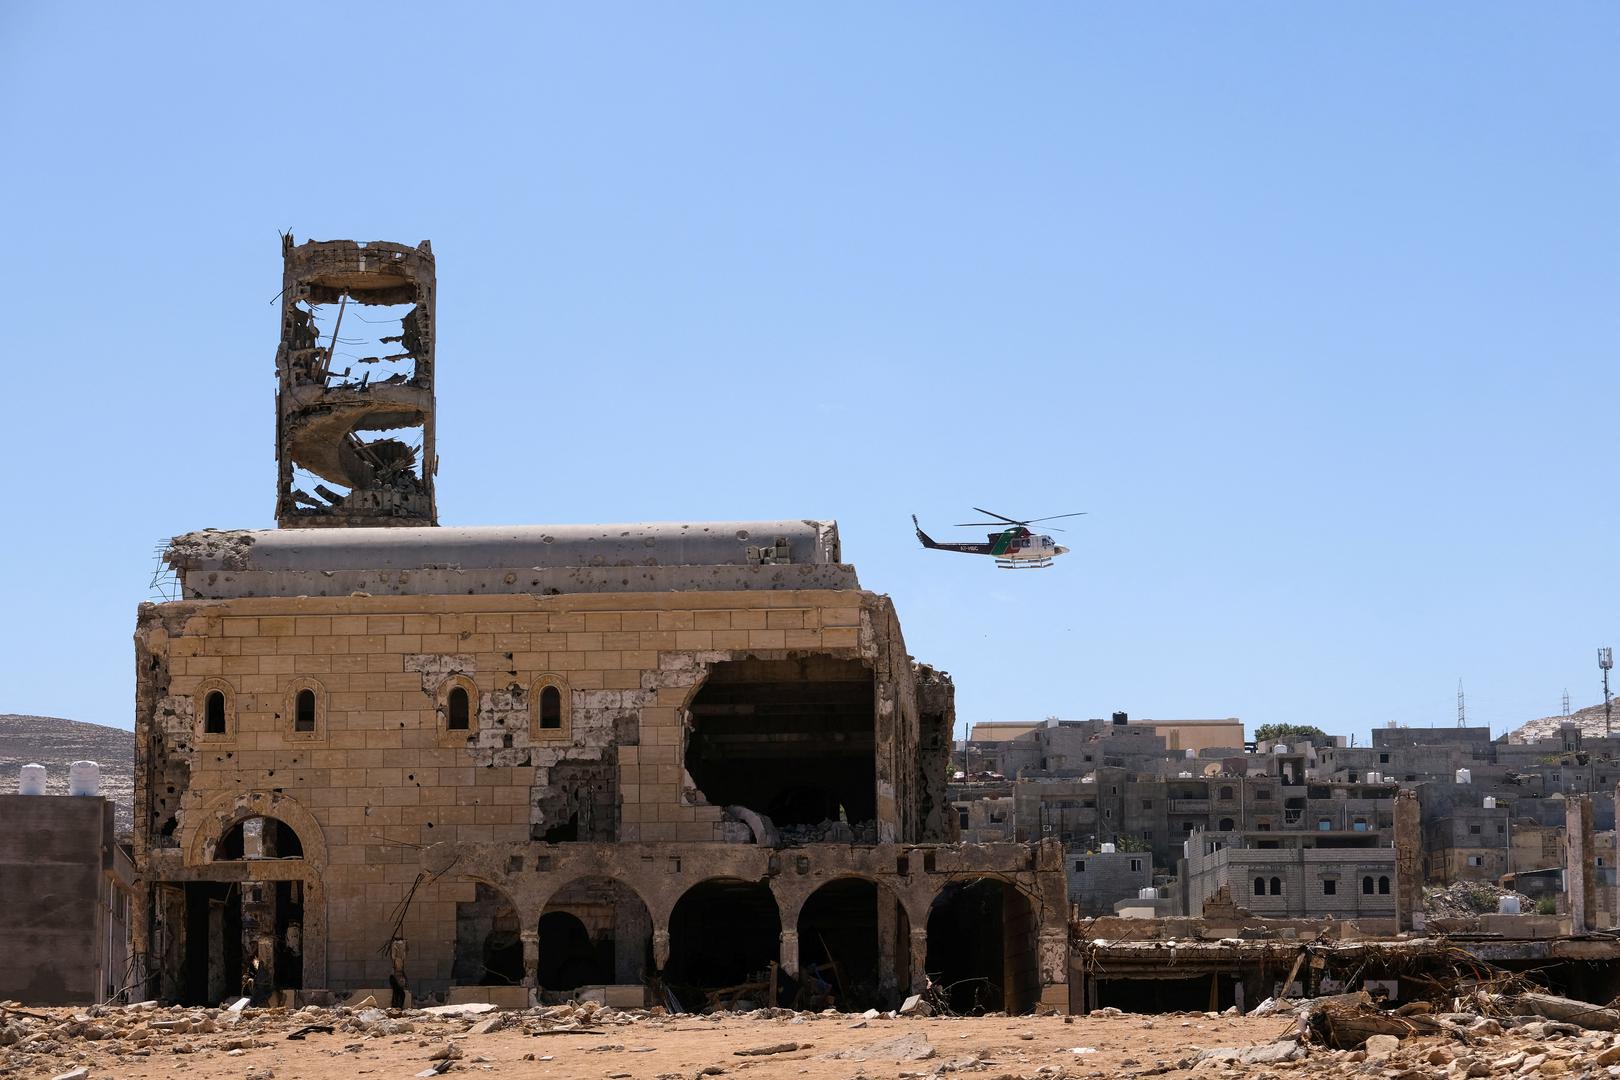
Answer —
1366 886
550 709
214 709
1276 886
1383 886
460 714
1330 887
1259 886
305 718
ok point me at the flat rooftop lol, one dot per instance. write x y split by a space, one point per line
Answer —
492 559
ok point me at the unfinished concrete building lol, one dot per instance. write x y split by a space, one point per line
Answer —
693 758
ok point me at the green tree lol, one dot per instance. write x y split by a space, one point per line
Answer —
1289 732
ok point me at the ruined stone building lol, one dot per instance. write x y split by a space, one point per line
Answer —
693 756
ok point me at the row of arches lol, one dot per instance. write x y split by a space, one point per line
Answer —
851 944
850 941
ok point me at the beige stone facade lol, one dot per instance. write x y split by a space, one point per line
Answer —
400 819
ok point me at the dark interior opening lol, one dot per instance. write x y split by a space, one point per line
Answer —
550 708
792 739
569 958
259 838
214 713
982 948
723 933
212 956
305 718
1192 994
489 948
460 714
840 959
289 940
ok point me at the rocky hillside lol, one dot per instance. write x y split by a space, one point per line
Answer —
56 743
1590 720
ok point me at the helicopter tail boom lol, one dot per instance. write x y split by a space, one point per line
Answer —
927 541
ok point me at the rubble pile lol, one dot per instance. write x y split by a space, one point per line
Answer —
1464 899
1518 1035
830 832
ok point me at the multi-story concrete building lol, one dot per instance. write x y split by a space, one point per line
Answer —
695 755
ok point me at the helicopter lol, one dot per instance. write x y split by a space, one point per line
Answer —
1013 546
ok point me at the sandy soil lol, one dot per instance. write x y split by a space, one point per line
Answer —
651 1047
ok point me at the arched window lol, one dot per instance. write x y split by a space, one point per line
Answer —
304 714
1276 886
214 709
458 712
550 709
1259 886
1226 824
1366 886
1383 886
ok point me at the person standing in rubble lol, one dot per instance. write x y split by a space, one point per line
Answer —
396 980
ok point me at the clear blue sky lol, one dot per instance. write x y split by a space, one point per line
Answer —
1313 307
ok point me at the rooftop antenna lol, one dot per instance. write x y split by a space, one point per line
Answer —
1462 706
1606 661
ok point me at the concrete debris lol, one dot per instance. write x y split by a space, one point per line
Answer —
1462 899
910 1047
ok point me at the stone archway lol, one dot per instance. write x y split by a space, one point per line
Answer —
852 935
274 896
724 933
983 942
594 930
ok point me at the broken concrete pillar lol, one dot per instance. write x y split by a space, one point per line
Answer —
919 959
661 944
531 957
788 953
1580 869
1408 858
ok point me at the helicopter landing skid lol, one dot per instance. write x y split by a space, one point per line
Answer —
1024 564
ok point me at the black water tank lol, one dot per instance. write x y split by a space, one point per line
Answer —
1120 718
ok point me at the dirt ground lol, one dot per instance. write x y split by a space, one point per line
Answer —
636 1046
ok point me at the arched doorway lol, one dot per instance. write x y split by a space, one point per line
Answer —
982 947
724 936
594 931
850 931
489 945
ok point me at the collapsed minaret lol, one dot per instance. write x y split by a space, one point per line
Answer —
354 403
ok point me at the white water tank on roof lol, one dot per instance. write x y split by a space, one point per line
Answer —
31 779
1191 752
1148 893
1375 778
1280 748
84 778
1465 776
1490 802
1108 849
1507 905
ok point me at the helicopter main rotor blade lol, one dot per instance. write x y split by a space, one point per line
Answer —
1055 517
1003 517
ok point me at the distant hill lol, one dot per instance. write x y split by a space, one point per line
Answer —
56 743
1590 720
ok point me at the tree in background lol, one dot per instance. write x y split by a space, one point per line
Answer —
1290 732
